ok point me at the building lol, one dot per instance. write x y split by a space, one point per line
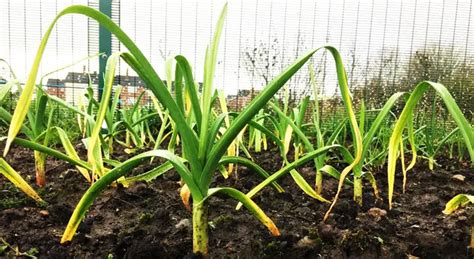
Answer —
129 95
56 87
132 88
75 85
241 99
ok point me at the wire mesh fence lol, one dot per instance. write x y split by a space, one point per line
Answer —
387 46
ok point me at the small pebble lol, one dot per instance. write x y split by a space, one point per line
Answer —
44 213
377 213
459 177
184 223
306 242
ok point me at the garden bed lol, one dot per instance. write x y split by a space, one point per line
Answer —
149 220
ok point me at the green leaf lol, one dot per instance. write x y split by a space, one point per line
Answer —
301 161
356 135
110 115
6 89
252 166
94 153
7 117
3 248
333 172
152 174
39 123
50 152
14 177
396 137
249 204
305 186
458 201
71 152
95 189
209 69
185 68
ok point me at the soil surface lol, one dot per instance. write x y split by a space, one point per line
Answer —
148 220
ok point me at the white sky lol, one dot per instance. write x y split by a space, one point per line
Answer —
185 27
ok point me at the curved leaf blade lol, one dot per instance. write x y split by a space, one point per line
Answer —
14 177
95 189
249 204
458 201
396 137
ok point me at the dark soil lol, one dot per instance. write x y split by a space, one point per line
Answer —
148 220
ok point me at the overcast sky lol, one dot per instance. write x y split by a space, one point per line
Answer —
162 28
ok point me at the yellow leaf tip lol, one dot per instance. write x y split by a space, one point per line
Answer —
7 148
273 229
185 195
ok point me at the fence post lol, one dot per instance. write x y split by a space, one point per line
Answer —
105 43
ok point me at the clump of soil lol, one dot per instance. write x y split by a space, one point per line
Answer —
148 219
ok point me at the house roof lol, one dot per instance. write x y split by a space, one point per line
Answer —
81 78
128 80
52 82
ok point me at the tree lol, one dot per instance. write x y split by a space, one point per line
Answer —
389 74
444 65
266 58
